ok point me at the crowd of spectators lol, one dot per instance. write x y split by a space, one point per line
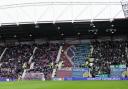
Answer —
106 53
45 57
15 60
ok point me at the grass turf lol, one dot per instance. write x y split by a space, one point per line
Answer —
64 85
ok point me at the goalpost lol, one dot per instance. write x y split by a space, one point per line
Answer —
32 75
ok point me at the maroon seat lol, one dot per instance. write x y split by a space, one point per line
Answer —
64 73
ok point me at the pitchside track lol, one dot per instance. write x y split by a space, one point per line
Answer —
64 85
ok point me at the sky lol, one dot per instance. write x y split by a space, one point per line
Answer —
16 11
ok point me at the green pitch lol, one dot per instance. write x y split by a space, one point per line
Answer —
64 85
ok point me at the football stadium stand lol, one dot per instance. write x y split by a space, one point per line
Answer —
101 58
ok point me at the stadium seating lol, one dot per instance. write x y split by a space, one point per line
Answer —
64 56
106 53
45 57
64 73
75 55
1 49
13 62
14 59
81 54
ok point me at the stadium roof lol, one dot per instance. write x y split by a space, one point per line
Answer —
54 11
59 31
